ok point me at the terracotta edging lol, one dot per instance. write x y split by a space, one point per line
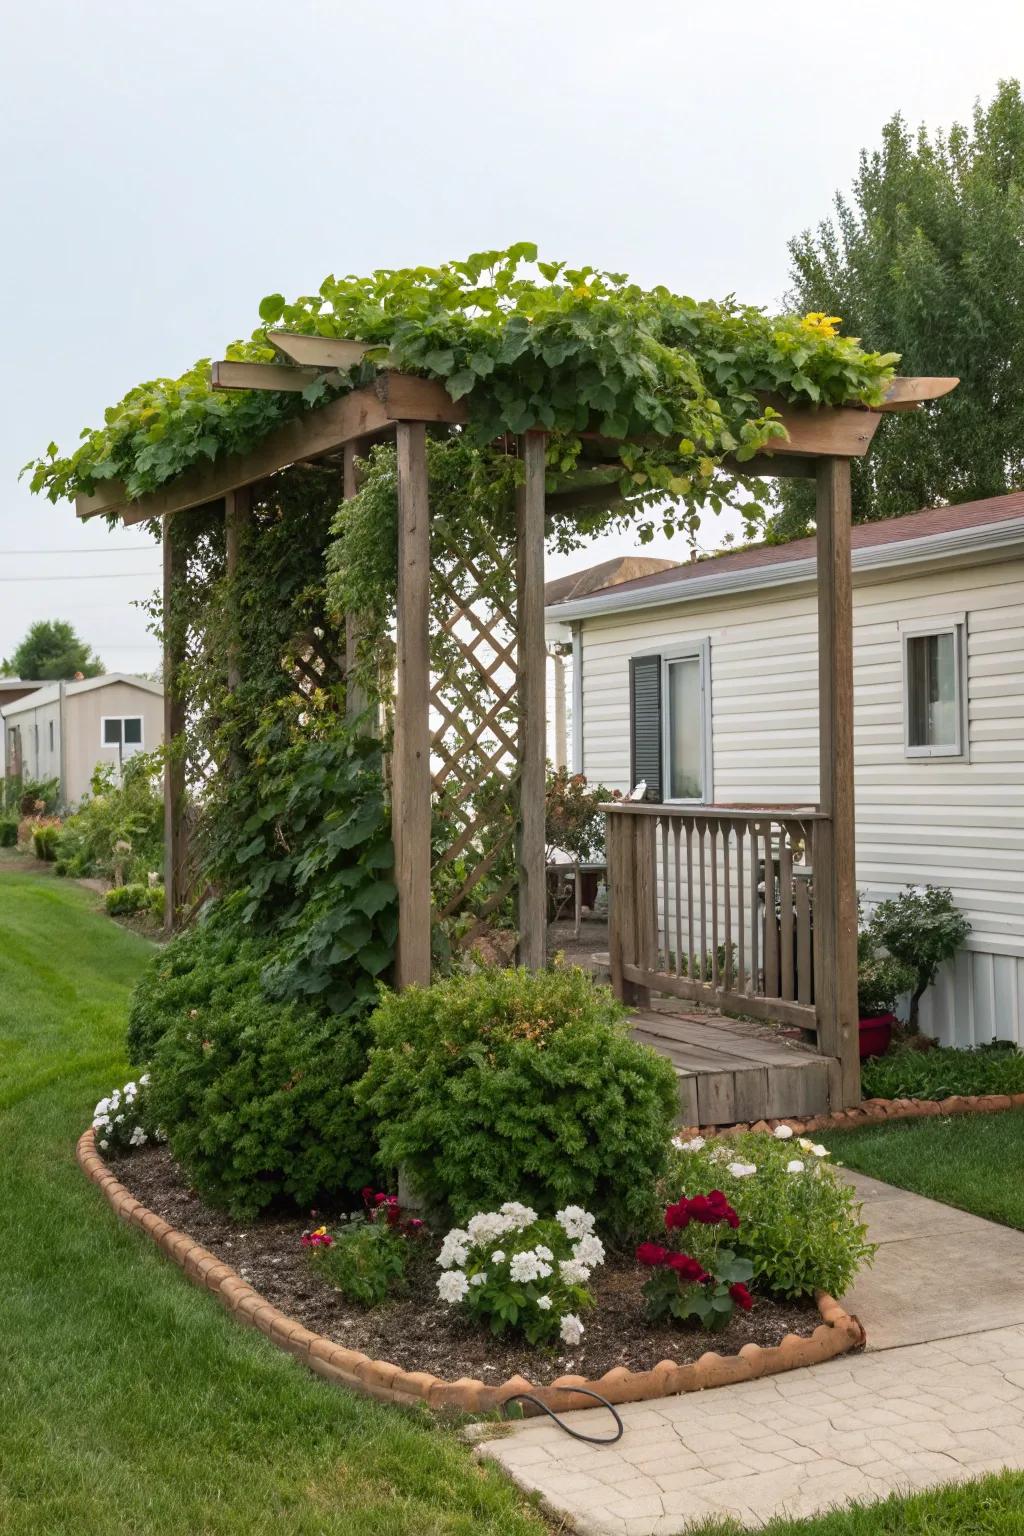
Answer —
872 1112
835 1335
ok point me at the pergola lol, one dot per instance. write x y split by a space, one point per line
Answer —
820 444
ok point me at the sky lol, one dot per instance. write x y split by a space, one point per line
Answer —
164 167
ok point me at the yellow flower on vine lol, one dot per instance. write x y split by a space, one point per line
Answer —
820 324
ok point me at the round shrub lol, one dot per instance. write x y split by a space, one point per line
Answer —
798 1222
8 831
124 899
506 1084
256 1102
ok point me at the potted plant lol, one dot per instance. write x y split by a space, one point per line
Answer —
881 979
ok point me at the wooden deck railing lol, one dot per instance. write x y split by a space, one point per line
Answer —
715 904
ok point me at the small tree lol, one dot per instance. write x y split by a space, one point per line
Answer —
573 820
921 928
52 650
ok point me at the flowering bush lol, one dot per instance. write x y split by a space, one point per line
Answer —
366 1257
514 1270
798 1222
707 1282
506 1079
124 1119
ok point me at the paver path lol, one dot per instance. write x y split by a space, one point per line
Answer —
938 1397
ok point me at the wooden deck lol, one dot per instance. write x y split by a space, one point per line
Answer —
736 1069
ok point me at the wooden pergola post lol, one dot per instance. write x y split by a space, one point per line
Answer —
174 726
531 665
835 876
411 808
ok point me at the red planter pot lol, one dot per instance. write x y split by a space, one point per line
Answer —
876 1035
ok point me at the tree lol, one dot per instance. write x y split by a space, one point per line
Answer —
927 259
51 650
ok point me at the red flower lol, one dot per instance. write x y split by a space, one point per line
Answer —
677 1215
741 1296
652 1254
687 1268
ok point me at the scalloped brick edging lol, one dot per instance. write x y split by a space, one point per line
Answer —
836 1334
873 1112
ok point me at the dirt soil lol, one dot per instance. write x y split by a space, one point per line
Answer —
415 1330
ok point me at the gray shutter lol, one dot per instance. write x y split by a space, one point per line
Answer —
645 724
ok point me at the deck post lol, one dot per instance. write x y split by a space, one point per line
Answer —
531 666
835 877
411 771
174 725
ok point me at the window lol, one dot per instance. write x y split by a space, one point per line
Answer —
934 697
670 712
121 730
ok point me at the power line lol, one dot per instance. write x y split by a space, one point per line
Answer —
87 549
92 576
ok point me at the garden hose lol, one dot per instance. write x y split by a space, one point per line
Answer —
528 1397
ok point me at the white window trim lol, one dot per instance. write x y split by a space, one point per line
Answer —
701 649
110 746
955 625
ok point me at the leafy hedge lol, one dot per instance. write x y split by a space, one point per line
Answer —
117 832
906 1073
510 1085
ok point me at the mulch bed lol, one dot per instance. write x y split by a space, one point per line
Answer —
415 1330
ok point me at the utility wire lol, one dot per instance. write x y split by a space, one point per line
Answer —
87 549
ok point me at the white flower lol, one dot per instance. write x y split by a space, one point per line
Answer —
454 1249
589 1250
104 1145
101 1121
542 1252
694 1145
497 1257
480 1278
138 1138
575 1221
102 1107
544 1303
144 1080
520 1216
782 1132
574 1272
524 1267
804 1144
571 1328
159 1134
118 1119
452 1286
742 1170
485 1226
819 1150
796 1166
719 1154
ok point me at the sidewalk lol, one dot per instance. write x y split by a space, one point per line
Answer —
938 1397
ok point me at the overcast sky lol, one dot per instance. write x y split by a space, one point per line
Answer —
164 167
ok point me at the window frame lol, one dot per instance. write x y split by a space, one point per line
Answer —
956 626
699 650
120 744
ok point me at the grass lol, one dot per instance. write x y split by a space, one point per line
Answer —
992 1507
130 1404
971 1161
904 1073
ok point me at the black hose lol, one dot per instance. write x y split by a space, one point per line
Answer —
528 1397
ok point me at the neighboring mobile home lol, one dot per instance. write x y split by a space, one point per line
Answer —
701 679
63 730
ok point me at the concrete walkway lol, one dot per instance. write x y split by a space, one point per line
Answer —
937 1397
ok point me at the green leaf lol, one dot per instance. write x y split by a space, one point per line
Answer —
459 384
272 307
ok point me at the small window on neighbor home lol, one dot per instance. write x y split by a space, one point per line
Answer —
933 692
670 720
112 733
133 731
118 731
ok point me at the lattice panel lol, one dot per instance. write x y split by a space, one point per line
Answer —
475 776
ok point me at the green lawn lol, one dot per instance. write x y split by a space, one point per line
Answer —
970 1161
130 1404
992 1507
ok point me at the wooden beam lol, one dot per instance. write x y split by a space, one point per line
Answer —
411 809
277 376
320 351
780 466
531 669
835 874
837 431
355 416
906 394
175 851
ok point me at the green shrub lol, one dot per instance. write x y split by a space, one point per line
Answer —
34 797
44 841
505 1083
157 902
922 928
881 978
8 831
800 1229
118 830
255 1098
127 898
364 1259
906 1073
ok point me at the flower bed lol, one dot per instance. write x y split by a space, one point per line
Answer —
675 1361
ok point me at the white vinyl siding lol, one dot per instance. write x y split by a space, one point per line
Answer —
947 821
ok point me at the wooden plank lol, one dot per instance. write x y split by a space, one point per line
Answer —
175 851
786 955
771 923
411 768
320 352
839 431
751 1095
906 394
804 978
645 894
730 979
688 1112
835 885
362 414
531 668
667 962
719 1036
797 1090
617 840
276 376
755 963
739 1004
690 964
741 979
716 978
716 1098
677 830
